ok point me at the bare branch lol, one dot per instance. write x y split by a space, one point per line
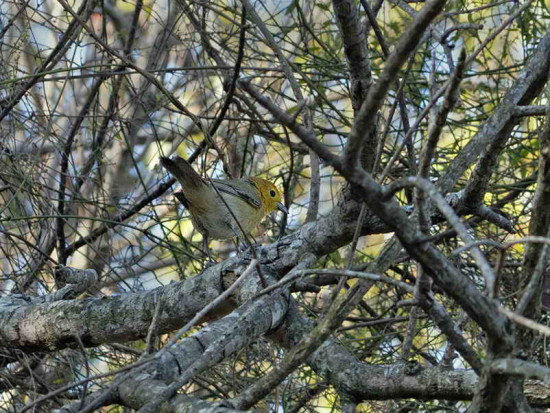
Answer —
365 119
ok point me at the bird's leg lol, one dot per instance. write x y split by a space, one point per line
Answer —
205 247
240 238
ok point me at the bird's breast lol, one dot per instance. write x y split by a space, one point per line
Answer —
218 219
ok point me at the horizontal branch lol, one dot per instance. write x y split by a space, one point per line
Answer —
522 368
374 382
127 317
530 110
52 326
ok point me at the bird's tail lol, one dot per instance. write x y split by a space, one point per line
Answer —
183 172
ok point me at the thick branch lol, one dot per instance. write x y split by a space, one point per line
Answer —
368 382
127 317
355 49
50 326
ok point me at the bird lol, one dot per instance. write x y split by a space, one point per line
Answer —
223 208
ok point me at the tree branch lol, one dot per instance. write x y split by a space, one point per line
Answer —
360 138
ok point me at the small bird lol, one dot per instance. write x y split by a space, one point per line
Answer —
223 208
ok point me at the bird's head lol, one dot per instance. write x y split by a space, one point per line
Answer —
271 196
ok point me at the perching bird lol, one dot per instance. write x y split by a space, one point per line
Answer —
247 201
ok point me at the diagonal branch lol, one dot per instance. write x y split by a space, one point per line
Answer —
360 138
527 86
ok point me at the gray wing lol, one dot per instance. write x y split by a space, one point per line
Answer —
224 186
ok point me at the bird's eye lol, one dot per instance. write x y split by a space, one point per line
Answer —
272 193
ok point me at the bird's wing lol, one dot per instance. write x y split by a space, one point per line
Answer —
239 190
180 196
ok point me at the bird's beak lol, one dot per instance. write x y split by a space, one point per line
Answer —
282 208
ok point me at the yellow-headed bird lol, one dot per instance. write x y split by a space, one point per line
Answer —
216 206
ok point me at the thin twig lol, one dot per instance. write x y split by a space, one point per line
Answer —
69 35
151 332
64 172
173 99
291 276
471 59
433 194
315 178
63 389
526 322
